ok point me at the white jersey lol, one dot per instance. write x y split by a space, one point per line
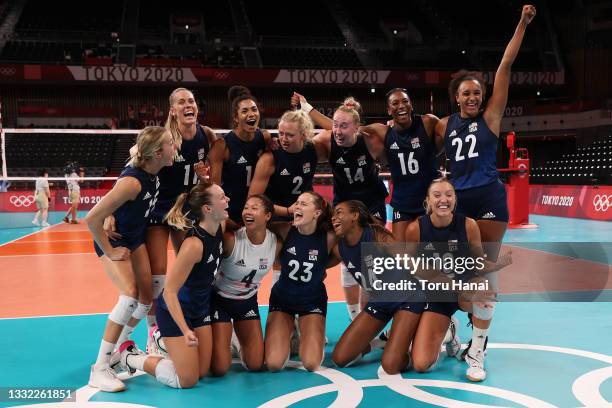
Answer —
42 184
72 181
241 273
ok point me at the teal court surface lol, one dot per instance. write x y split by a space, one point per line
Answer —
540 354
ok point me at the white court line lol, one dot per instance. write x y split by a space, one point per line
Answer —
59 254
30 234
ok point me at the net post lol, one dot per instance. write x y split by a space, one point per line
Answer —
3 144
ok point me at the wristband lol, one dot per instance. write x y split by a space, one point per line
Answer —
305 106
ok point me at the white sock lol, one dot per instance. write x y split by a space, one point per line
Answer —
104 353
137 361
353 310
479 337
125 334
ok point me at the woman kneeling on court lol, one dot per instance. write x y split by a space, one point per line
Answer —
248 256
300 289
125 259
442 231
183 311
355 225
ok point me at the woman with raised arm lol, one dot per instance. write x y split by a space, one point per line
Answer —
470 139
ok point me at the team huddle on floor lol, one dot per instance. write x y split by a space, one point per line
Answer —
239 206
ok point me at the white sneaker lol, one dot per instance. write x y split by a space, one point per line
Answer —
453 346
115 362
128 348
476 371
35 222
105 379
45 224
155 343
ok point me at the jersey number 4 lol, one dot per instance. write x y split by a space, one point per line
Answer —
471 139
247 280
304 275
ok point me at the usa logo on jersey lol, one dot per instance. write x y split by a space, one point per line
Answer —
313 254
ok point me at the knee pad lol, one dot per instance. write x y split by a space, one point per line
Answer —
123 310
165 373
158 282
346 278
483 310
141 311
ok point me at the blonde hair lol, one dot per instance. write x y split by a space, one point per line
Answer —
171 122
199 196
353 112
305 125
148 141
354 102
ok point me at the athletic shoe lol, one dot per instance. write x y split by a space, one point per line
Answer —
128 348
66 220
45 224
105 379
294 344
115 362
384 336
476 371
35 222
74 222
454 345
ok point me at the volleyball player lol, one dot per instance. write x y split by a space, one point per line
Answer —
183 310
42 195
125 260
355 178
300 289
410 150
237 154
470 138
443 231
285 173
74 193
355 226
248 256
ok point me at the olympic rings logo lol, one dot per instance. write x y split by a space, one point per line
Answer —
22 200
602 202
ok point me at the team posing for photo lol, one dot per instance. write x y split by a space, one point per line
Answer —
234 206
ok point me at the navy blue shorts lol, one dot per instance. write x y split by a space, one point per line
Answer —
488 202
168 327
314 306
131 244
444 308
224 310
379 211
399 215
384 311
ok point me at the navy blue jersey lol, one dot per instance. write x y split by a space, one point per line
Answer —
181 176
412 160
293 174
132 217
448 242
355 174
303 262
194 295
471 148
238 170
351 255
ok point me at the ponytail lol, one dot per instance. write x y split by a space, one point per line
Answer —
176 217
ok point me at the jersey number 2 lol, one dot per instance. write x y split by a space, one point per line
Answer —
471 139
